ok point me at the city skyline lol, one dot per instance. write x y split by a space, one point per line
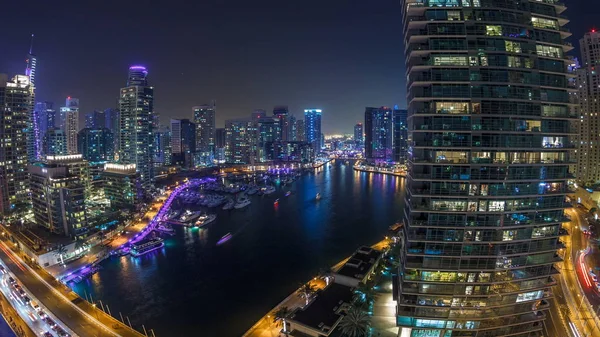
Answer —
342 75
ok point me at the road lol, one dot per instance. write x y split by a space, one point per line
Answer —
19 326
80 316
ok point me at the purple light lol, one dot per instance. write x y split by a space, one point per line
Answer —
137 68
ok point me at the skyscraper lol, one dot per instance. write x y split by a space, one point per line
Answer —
113 123
45 117
379 134
489 126
15 111
96 145
282 113
400 135
588 78
163 153
240 135
312 128
183 142
96 119
204 118
358 133
54 143
69 119
33 132
136 108
300 130
220 145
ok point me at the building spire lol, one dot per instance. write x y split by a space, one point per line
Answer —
31 44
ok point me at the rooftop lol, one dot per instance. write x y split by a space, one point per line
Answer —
323 313
360 262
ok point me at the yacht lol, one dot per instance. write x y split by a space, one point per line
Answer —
144 247
189 216
205 220
318 197
242 202
268 189
252 190
229 205
288 193
276 202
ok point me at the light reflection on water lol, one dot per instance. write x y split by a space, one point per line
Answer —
194 284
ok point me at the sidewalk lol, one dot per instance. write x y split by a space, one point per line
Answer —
265 327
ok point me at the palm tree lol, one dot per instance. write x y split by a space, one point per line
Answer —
306 291
79 243
60 251
280 316
364 295
356 323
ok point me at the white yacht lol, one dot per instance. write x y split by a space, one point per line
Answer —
205 220
242 202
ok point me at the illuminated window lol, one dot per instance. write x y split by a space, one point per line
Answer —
513 47
493 30
530 296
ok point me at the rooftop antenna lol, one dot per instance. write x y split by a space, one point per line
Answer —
31 44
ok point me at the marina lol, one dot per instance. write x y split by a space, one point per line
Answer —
202 264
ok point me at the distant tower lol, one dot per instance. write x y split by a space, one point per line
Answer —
69 122
204 118
379 137
31 62
312 128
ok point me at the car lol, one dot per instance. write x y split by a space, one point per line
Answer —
26 299
50 322
594 277
11 280
22 292
47 334
16 286
2 270
43 315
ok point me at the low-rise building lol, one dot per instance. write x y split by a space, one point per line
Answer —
359 268
321 316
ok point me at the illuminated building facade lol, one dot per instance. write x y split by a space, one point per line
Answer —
96 145
588 80
489 130
183 142
358 133
122 185
58 189
136 108
15 109
69 122
204 118
54 143
379 134
312 129
400 135
240 139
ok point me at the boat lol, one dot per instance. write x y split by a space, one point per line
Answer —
242 202
172 214
267 189
276 202
229 205
288 193
318 197
165 229
252 190
224 239
146 246
205 220
189 216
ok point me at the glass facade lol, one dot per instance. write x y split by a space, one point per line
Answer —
489 153
312 129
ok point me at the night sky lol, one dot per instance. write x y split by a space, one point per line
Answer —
338 55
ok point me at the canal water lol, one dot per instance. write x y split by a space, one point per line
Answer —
194 287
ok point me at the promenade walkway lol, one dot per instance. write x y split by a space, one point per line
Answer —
265 327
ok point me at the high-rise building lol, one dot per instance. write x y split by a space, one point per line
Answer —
293 124
69 122
96 145
588 78
54 143
300 130
113 123
204 117
45 119
379 134
282 113
268 130
183 142
358 133
400 140
136 108
96 119
163 154
240 137
122 185
58 195
33 130
312 128
15 106
489 129
220 145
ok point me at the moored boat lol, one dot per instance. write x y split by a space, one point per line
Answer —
146 246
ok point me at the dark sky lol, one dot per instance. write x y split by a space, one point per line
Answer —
338 55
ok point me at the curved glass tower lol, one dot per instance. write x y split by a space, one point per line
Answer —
489 132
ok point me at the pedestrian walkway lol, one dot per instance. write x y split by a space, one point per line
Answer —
266 327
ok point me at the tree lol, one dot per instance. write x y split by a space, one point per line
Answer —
306 291
79 243
280 316
60 251
356 323
364 295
